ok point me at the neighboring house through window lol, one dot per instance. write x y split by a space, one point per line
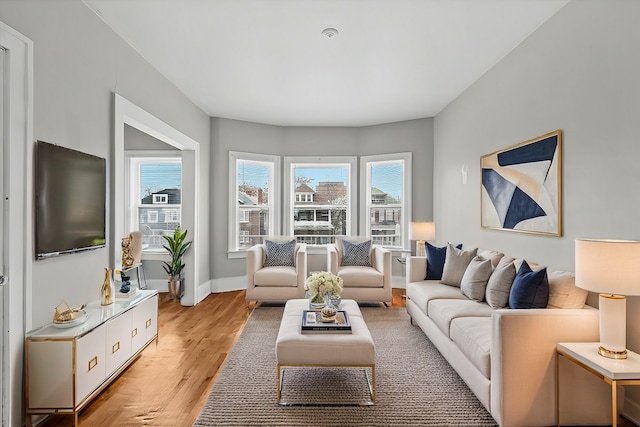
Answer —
154 179
253 199
386 198
320 201
323 193
160 198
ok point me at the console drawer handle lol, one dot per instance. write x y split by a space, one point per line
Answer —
134 332
93 362
148 323
115 347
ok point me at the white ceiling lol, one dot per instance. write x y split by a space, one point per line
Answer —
266 61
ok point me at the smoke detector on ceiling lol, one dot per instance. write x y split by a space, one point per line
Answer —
329 32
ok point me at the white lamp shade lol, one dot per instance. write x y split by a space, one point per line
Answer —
608 266
422 230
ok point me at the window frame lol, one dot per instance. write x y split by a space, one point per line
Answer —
288 188
274 198
366 162
133 160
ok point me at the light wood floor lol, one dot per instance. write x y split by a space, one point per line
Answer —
168 384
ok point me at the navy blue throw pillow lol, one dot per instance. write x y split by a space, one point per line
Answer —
530 289
435 260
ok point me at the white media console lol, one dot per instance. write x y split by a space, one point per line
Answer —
66 368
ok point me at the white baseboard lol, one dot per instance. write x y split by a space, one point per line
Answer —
204 289
238 283
226 284
631 411
162 285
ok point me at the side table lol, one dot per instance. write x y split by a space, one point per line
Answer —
612 371
403 260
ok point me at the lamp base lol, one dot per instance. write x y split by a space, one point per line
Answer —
611 354
420 248
613 326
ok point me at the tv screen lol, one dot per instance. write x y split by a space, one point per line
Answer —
70 192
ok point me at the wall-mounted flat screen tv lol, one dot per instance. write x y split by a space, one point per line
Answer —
70 201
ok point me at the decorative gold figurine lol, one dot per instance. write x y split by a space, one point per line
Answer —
107 288
64 313
127 250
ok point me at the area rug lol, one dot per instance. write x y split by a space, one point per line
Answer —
415 386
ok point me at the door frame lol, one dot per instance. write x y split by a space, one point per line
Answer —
17 294
126 112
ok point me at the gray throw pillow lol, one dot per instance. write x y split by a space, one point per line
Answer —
499 284
279 253
356 253
455 264
474 280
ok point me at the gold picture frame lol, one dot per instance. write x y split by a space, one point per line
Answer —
521 187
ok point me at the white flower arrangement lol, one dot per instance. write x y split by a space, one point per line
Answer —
322 283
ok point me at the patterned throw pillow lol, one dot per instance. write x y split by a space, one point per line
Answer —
356 253
279 253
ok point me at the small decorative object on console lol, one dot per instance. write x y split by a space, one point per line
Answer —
126 283
127 250
66 317
107 290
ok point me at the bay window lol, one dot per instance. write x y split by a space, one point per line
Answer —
320 198
253 199
386 199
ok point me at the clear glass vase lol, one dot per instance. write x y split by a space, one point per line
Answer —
316 302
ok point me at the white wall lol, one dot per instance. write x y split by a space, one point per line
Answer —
414 136
79 63
579 73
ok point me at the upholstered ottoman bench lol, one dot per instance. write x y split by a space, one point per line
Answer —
326 349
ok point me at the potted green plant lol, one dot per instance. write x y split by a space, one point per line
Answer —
176 246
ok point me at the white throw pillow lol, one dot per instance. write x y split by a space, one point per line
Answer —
563 292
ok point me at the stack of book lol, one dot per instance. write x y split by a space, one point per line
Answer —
312 323
133 292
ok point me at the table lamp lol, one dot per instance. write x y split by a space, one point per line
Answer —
422 231
611 268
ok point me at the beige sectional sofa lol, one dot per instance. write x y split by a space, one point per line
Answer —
507 356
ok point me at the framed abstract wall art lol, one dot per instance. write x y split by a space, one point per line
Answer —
521 187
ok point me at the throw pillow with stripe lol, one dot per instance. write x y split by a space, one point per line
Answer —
279 253
356 253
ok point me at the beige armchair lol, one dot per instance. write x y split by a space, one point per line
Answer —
275 283
362 283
